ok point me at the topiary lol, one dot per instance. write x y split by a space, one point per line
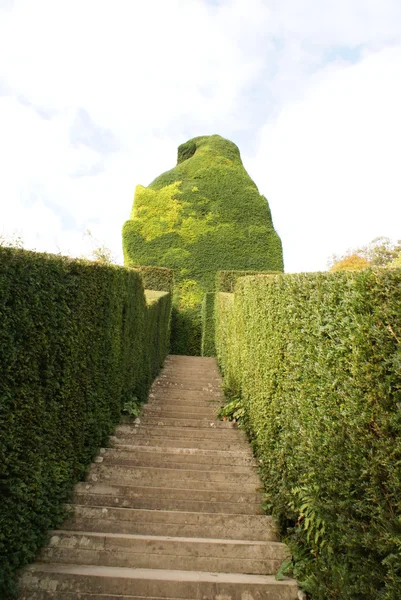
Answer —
204 215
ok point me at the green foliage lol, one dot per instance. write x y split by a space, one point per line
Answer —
234 410
208 330
132 408
156 278
204 215
226 280
396 263
316 361
381 251
186 331
77 344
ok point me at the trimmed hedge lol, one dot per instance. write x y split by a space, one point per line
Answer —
226 280
316 359
208 329
157 278
77 341
203 215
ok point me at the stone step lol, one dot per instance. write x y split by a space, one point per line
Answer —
237 451
37 595
132 460
180 365
162 401
184 362
193 433
154 498
180 394
117 581
178 412
171 511
175 477
172 412
171 523
194 386
198 423
162 552
173 374
174 443
188 383
234 462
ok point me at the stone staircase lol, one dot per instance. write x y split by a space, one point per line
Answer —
172 510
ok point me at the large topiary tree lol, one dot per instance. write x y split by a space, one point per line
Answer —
204 215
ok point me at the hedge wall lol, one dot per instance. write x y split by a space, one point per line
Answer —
208 330
77 341
156 278
226 280
316 359
203 215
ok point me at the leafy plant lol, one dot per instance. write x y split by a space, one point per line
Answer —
315 359
234 410
78 342
203 215
132 408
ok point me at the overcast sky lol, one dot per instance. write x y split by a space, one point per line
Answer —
96 95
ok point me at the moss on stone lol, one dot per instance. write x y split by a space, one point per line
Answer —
202 216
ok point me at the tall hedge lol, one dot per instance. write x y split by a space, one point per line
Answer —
157 278
77 341
208 329
316 359
203 215
226 280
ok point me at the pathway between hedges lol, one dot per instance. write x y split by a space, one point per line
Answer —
171 510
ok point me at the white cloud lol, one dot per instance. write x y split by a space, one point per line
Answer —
145 76
329 164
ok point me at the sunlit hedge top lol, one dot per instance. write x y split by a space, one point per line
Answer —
204 215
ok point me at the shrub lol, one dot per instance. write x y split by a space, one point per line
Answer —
203 215
316 359
77 344
156 278
208 347
226 280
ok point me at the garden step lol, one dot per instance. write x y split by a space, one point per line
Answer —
207 444
173 523
199 423
166 402
158 461
178 412
182 394
164 552
194 433
171 511
177 457
177 385
174 477
187 499
36 595
158 583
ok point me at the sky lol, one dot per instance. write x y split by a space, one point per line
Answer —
96 96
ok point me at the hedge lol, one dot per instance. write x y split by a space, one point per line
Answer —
316 360
208 329
156 278
203 215
226 280
77 341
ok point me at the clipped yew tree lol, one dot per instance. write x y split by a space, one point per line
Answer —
202 216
